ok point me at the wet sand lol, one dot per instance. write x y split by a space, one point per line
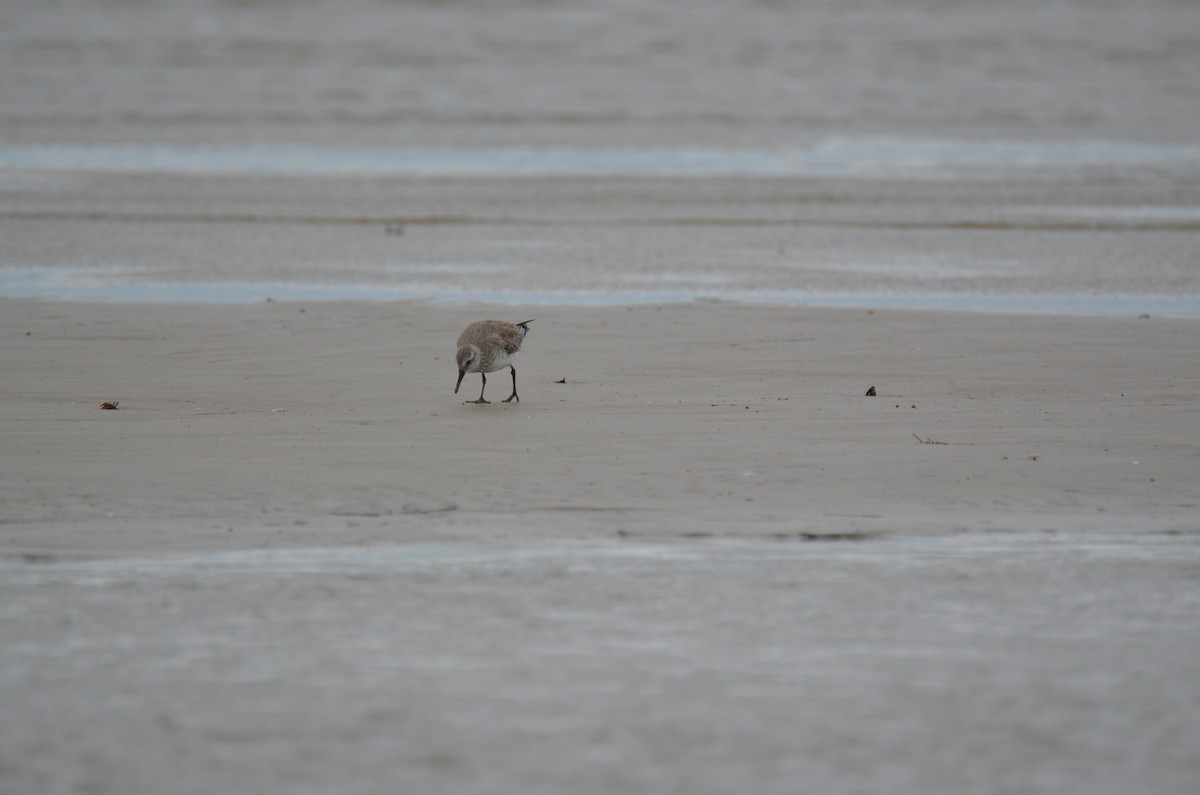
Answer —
705 561
241 426
292 558
695 558
1011 663
1112 239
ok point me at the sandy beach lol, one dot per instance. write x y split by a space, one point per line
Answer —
696 557
282 423
1048 519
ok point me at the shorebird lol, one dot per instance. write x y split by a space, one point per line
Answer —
487 346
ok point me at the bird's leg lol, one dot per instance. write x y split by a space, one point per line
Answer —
513 396
481 389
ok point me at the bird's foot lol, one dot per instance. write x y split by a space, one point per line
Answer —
511 397
481 400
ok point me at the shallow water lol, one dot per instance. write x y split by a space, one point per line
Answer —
717 554
524 73
976 157
835 157
86 285
872 665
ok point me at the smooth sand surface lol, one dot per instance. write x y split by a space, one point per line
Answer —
292 560
285 424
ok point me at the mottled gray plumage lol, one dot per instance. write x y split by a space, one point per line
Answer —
487 346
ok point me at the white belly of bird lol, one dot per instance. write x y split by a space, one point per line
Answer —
499 361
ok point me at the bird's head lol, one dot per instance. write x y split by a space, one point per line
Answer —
467 357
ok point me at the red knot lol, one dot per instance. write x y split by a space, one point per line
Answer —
487 346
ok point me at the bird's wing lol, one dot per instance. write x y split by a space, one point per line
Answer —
509 340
